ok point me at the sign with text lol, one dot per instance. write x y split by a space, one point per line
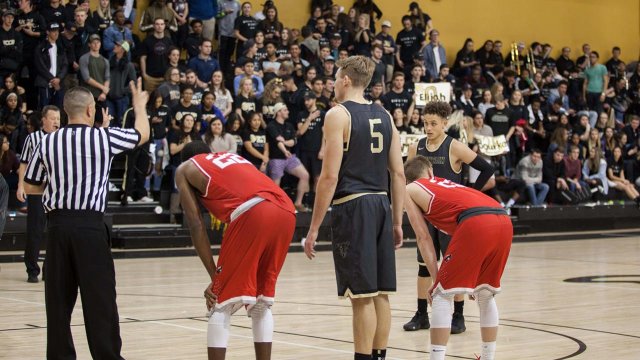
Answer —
406 140
492 145
429 92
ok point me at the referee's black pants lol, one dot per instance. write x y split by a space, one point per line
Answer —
79 255
35 232
136 173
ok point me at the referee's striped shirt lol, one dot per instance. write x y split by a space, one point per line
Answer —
30 145
74 162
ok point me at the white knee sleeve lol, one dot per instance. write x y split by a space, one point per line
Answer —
218 330
261 323
441 311
488 308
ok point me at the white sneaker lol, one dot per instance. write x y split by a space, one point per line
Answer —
145 199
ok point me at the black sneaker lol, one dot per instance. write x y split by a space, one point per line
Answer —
457 324
418 321
32 279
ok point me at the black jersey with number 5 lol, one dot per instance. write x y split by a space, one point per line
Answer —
366 151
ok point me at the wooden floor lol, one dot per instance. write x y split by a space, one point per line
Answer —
542 316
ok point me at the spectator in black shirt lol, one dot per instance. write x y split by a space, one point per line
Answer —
254 137
185 107
31 25
397 97
53 12
10 45
465 60
160 119
271 26
612 64
564 64
420 19
177 140
368 7
281 137
245 25
389 47
49 84
154 56
310 123
246 101
363 36
554 176
409 41
617 178
194 39
499 118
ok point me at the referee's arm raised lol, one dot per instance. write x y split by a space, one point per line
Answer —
139 100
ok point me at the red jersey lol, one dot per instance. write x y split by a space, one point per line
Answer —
448 200
234 180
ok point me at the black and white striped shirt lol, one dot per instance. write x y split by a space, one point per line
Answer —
74 162
30 145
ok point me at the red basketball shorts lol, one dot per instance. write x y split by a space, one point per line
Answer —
476 256
253 251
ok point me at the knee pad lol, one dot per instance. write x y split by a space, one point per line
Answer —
261 323
488 308
441 311
218 329
423 271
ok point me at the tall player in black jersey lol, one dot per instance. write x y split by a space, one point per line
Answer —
447 156
362 149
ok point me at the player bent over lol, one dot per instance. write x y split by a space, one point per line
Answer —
253 248
474 262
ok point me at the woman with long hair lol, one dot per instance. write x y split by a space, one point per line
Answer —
234 128
416 125
271 96
160 116
517 107
209 111
370 8
616 177
177 140
465 60
609 142
594 171
559 139
419 18
224 99
246 100
286 39
363 36
9 165
271 26
487 102
103 16
218 139
169 89
11 118
484 55
9 85
594 139
254 138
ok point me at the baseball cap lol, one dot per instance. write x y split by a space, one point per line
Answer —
124 45
94 37
336 36
329 58
9 12
278 106
386 23
309 95
466 86
53 27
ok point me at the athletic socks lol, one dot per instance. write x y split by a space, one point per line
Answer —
488 350
510 203
458 307
359 356
379 354
422 306
437 352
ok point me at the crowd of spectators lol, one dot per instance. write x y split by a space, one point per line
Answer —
260 88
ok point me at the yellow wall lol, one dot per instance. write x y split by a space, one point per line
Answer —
562 23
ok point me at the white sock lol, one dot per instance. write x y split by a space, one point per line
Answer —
510 202
488 350
438 352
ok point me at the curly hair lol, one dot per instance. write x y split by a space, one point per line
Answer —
439 108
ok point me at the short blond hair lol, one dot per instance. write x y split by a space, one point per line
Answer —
358 68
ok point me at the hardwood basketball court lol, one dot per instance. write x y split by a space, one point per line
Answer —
595 316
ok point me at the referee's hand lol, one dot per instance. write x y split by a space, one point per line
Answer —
139 97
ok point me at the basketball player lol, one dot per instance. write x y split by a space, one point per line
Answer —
362 147
447 156
253 248
481 234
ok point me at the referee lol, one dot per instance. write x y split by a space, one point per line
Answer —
70 168
35 211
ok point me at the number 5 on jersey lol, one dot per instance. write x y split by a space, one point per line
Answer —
377 143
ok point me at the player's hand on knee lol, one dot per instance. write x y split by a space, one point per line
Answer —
309 243
210 297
